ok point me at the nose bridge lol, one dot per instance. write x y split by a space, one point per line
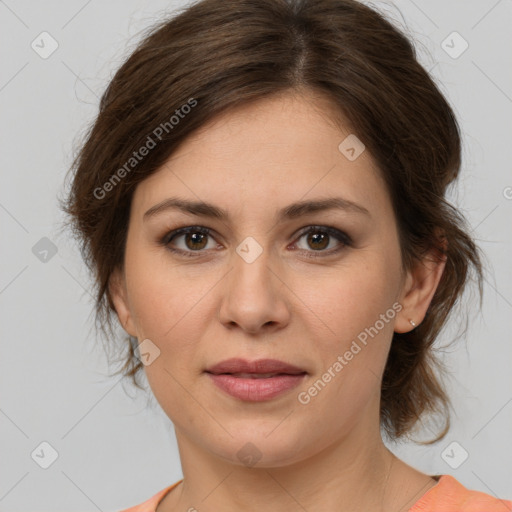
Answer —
253 295
251 276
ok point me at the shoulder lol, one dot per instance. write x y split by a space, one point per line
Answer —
449 495
151 504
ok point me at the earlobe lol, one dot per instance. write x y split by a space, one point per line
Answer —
420 287
118 293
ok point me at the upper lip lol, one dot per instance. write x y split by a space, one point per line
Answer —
238 365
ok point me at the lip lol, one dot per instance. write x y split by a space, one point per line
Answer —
239 365
255 389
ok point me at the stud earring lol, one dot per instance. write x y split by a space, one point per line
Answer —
413 323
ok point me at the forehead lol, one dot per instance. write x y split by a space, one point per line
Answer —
267 154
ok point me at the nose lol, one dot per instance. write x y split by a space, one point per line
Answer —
254 296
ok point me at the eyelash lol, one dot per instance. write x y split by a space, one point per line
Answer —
336 233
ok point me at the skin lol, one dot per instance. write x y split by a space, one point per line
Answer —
325 455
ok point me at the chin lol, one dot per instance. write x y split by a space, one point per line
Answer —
267 447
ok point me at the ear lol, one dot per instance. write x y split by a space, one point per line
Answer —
420 285
119 295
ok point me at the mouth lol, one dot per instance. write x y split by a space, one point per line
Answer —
255 381
263 367
256 375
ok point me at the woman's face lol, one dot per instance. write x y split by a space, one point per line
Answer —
259 287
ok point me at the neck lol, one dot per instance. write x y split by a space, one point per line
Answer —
356 472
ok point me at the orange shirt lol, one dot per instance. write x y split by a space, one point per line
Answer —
448 495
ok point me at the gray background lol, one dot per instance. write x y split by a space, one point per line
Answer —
113 451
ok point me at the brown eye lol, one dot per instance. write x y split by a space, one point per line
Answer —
318 239
195 239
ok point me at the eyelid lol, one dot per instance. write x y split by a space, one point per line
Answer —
330 230
341 236
174 233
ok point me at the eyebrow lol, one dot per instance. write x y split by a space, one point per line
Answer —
290 212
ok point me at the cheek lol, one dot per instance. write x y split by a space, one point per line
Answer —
353 308
174 320
351 340
160 292
171 306
347 299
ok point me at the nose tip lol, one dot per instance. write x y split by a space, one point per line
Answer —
256 329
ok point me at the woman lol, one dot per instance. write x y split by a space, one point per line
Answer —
261 199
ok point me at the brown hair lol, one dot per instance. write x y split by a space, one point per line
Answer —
220 54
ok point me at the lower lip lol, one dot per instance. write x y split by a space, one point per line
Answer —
256 390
